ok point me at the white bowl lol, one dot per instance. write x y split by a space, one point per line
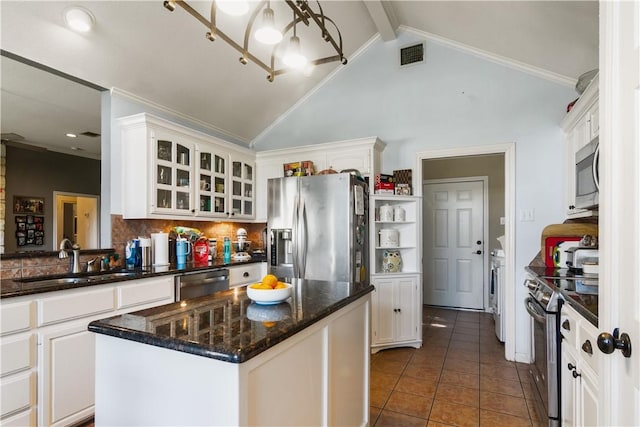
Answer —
269 296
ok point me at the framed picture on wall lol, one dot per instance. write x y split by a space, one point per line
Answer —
28 205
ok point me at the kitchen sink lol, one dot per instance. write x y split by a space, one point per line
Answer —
82 280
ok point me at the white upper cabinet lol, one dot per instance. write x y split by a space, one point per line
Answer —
581 126
361 154
171 172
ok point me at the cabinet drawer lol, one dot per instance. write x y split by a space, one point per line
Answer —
16 317
58 309
26 418
569 328
245 274
146 291
18 393
17 354
588 333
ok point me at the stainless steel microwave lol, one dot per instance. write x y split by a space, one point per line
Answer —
587 176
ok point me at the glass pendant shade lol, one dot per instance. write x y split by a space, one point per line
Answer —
233 7
294 57
267 33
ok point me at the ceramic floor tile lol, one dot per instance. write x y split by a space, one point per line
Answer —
499 371
457 394
492 419
458 377
462 379
454 414
498 385
383 380
467 366
374 413
388 366
409 404
424 387
378 397
515 406
428 373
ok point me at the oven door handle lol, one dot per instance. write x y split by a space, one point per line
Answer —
530 304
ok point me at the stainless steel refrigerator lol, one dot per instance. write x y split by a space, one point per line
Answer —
318 228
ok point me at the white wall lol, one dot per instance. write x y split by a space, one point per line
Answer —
454 99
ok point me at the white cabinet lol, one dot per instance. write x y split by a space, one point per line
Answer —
246 273
581 125
361 154
397 301
396 312
66 362
47 354
170 171
17 363
578 370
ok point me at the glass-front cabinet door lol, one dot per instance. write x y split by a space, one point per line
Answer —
212 168
173 179
242 186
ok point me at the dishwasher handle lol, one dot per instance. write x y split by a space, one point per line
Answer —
186 284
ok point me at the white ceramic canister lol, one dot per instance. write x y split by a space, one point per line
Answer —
399 214
389 238
386 213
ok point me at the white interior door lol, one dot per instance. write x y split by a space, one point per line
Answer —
454 243
619 298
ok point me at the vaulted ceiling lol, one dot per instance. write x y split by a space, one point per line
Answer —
163 57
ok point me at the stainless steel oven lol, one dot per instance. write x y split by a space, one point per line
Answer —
543 305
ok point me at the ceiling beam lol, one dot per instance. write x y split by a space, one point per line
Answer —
383 17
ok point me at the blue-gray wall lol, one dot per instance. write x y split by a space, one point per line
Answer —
454 99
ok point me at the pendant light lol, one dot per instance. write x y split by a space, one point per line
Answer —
293 57
267 33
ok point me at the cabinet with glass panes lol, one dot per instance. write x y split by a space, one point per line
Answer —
191 174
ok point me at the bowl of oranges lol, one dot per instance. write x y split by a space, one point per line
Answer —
269 291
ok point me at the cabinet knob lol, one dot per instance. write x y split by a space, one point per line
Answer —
571 366
587 347
607 343
478 252
575 374
566 325
571 207
245 274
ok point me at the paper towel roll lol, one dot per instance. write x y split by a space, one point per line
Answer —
160 248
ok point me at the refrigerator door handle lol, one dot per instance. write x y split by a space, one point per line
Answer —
294 238
302 247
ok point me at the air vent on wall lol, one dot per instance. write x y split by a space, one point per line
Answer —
412 54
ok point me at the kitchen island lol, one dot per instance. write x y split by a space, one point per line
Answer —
225 360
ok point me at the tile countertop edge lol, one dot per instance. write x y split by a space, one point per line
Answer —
20 289
237 356
566 296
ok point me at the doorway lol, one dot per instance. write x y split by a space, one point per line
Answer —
455 228
76 217
507 150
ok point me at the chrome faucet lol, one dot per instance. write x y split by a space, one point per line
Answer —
75 262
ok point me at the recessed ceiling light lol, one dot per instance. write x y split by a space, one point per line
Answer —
78 19
72 135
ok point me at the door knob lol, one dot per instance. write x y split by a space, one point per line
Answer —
607 343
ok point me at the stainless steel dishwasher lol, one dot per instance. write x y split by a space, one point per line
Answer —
200 283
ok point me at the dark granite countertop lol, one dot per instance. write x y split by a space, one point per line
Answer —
34 285
568 284
227 325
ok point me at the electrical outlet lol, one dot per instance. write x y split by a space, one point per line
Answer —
503 221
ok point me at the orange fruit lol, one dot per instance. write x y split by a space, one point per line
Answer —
270 280
280 285
269 324
260 286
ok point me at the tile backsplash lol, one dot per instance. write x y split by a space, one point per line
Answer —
123 230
